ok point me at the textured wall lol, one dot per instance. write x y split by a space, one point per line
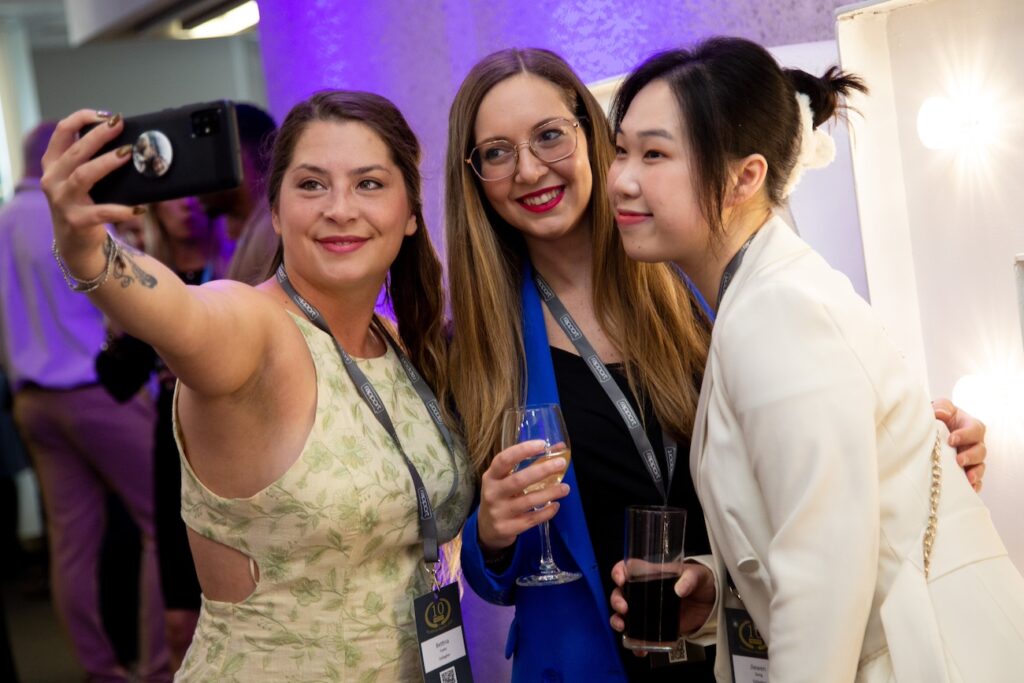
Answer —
416 52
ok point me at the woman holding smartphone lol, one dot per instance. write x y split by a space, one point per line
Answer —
528 154
838 518
302 512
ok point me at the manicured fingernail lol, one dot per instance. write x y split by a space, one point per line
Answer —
954 439
123 151
138 210
102 114
114 120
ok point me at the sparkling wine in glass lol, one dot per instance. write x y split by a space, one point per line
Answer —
543 422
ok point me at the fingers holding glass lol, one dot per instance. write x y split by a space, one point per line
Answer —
543 423
505 510
653 564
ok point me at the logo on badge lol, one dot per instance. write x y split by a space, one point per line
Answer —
437 614
750 637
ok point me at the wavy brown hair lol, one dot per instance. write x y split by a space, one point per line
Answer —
646 309
414 285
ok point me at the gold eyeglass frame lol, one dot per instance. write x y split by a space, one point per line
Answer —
529 143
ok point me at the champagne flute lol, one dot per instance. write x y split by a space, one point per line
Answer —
543 422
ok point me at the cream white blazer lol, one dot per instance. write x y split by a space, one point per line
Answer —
811 454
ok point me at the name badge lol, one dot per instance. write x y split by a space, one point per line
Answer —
747 649
442 642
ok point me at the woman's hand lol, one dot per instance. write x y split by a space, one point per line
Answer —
505 511
967 435
69 172
151 303
696 587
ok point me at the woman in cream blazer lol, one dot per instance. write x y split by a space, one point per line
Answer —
812 458
814 449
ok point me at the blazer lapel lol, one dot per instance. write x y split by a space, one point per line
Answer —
569 524
700 425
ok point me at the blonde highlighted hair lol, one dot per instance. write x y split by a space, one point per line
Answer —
646 309
157 243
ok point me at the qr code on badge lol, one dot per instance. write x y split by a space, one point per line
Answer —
448 675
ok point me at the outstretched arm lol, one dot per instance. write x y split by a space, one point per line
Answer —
212 337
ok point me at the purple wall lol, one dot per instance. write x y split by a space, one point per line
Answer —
416 52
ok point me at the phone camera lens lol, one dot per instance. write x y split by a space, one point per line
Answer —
205 123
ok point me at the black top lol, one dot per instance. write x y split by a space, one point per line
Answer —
610 476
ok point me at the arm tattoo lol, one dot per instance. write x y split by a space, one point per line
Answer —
123 263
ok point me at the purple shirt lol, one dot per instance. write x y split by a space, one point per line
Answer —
49 335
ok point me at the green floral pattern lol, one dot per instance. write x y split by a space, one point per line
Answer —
336 540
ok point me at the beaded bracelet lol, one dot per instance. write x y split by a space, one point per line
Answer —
85 286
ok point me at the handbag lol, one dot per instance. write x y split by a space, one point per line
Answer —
124 365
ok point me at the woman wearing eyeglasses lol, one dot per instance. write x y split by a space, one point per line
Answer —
528 153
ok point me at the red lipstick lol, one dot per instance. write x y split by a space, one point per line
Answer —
552 197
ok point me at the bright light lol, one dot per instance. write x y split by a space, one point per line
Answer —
233 21
948 123
997 399
936 123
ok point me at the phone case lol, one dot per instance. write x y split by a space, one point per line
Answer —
179 152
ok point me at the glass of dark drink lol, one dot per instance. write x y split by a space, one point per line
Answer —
654 562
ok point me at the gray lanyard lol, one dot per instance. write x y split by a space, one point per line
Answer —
614 393
428 524
730 270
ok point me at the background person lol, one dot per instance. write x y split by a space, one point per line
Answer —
251 239
81 441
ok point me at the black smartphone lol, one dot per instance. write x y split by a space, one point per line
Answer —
179 152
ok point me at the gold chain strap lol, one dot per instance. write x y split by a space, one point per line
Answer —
933 512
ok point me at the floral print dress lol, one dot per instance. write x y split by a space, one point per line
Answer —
336 541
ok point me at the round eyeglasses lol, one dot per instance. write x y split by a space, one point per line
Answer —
550 142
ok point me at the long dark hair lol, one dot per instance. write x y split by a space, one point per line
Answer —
736 100
413 285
